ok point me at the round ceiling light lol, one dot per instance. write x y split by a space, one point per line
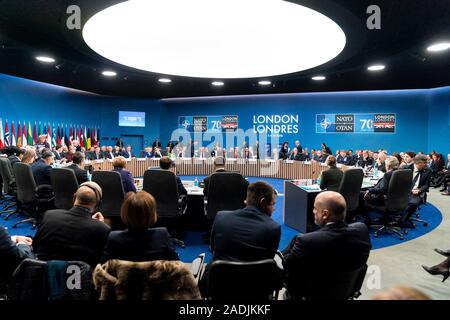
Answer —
318 78
217 83
214 38
164 80
45 59
376 67
107 73
264 83
439 47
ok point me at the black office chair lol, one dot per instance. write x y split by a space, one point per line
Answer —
350 189
30 282
36 198
337 285
65 185
226 191
416 217
395 202
113 195
9 188
162 185
257 280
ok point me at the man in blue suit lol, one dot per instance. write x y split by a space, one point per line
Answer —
165 164
128 154
336 246
42 168
13 249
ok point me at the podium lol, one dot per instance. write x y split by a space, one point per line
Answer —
299 205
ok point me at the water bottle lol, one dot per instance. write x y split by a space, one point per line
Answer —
196 182
375 172
89 176
318 180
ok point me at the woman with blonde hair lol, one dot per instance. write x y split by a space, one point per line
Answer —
119 164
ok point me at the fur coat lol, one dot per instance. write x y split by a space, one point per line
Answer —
150 280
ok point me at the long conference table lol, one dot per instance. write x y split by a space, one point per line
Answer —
288 170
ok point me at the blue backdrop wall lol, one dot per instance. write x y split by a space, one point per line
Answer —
410 107
439 120
26 100
423 120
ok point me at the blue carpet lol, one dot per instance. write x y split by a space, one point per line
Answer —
195 245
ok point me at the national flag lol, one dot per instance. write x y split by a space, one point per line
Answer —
39 129
66 138
71 134
2 138
53 135
58 136
13 134
19 135
30 136
85 139
49 136
35 137
7 134
24 135
81 138
89 140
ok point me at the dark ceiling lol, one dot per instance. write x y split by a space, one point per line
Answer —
32 27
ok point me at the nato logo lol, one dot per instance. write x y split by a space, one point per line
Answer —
325 123
184 123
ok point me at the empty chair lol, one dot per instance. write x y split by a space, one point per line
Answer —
9 186
226 191
30 281
65 184
395 201
113 193
336 285
231 280
350 188
162 185
29 195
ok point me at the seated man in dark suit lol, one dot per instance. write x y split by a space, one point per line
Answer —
374 196
331 178
165 164
16 156
42 168
148 152
295 155
337 246
58 152
420 186
342 158
219 166
76 234
248 234
128 154
78 167
96 154
13 249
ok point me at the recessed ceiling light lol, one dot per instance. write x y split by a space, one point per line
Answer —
198 40
109 73
165 80
376 67
45 59
264 83
318 78
439 47
217 83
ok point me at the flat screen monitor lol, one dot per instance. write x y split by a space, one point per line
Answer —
131 119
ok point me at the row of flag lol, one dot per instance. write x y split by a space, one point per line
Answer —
60 134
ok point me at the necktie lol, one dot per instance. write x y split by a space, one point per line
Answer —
416 177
